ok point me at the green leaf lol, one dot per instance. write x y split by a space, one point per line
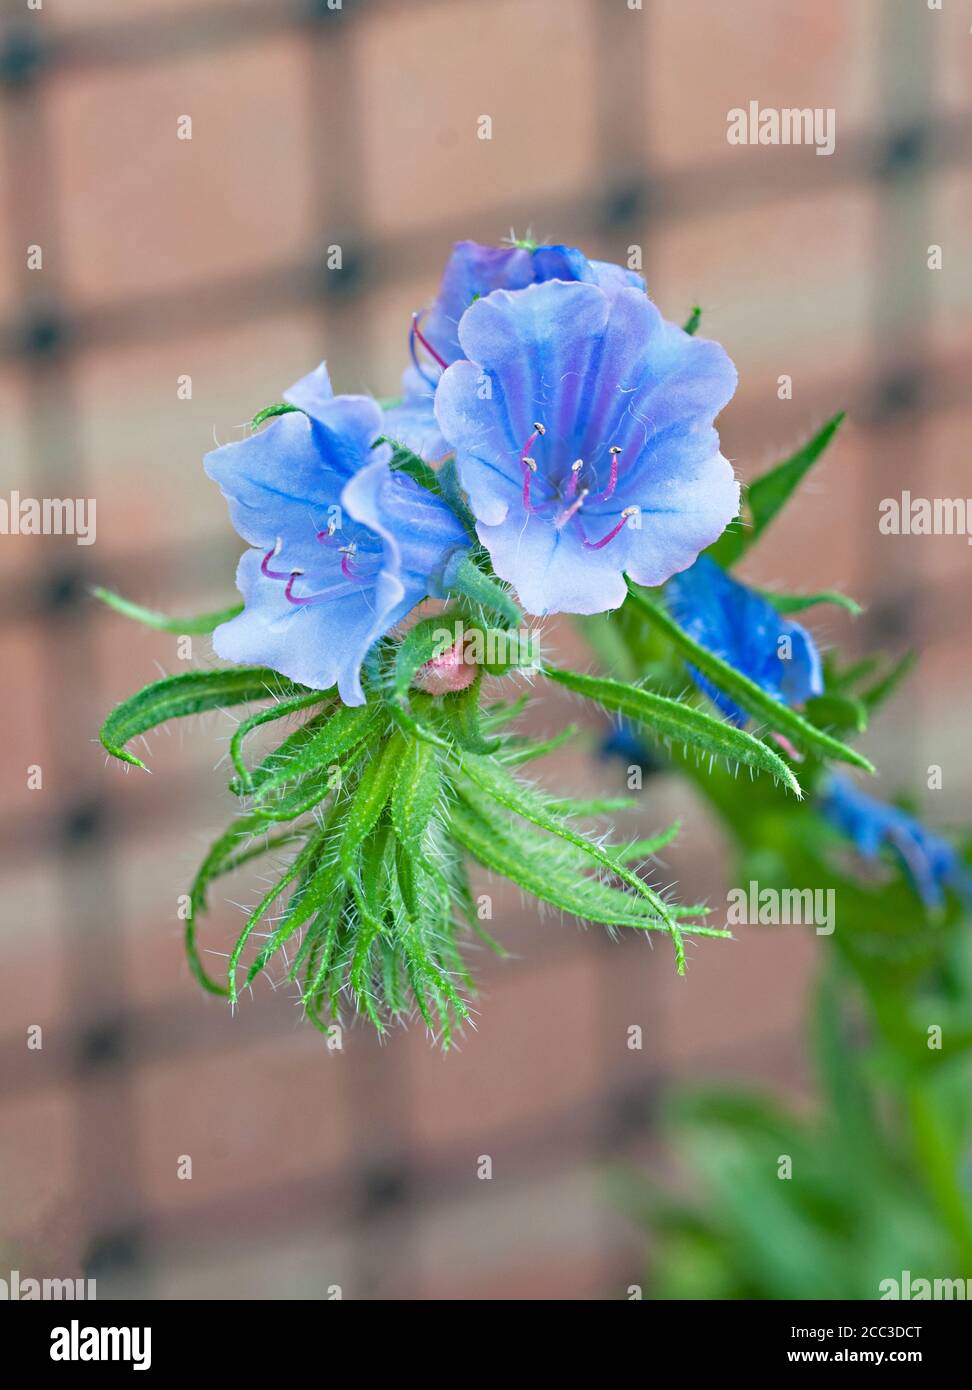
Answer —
295 869
768 494
797 603
225 855
691 324
837 712
418 788
523 857
680 723
369 799
745 692
334 740
174 697
202 623
504 789
266 716
877 693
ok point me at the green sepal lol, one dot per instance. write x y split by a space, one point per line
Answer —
270 412
464 577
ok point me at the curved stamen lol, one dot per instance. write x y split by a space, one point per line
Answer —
417 334
346 559
326 537
608 492
319 597
605 540
265 563
529 465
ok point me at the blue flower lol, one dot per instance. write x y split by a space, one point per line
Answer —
745 630
931 863
473 272
582 424
344 546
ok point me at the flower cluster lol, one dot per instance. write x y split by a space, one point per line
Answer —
582 427
554 451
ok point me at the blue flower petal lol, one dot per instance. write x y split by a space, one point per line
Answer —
745 630
597 371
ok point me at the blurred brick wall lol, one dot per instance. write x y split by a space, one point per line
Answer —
313 127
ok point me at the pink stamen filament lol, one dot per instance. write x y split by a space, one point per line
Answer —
615 530
426 344
529 466
332 591
572 510
265 562
608 492
574 479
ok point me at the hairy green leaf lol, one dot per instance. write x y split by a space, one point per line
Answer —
174 697
680 723
745 692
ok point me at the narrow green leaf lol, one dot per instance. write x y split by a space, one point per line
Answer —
266 716
691 324
333 741
833 711
174 697
745 692
644 849
768 494
876 694
369 799
417 791
201 623
680 723
500 787
519 856
797 603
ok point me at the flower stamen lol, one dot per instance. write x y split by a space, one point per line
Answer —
265 562
416 334
615 530
608 492
574 479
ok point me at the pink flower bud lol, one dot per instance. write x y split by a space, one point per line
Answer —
446 673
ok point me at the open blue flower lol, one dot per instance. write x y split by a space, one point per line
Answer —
474 271
745 630
582 424
344 546
931 863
